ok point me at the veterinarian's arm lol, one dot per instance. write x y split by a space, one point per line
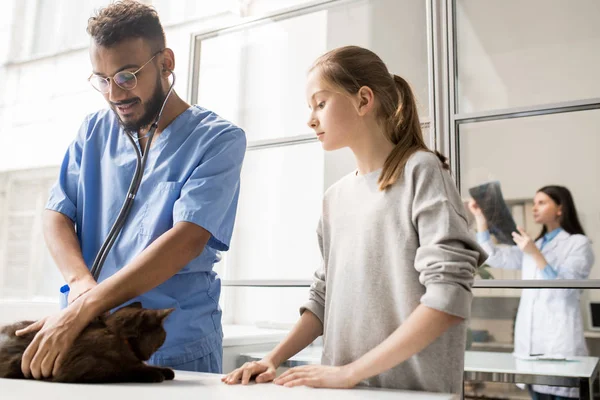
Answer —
157 263
168 254
64 247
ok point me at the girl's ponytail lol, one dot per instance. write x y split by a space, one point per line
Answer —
405 133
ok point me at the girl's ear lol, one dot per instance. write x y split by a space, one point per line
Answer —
366 100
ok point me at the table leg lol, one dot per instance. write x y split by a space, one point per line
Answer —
585 389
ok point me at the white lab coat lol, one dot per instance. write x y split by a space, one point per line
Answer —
549 320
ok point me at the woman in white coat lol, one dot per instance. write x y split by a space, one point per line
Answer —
548 321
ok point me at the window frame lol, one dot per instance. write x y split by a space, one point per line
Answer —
452 138
257 145
444 120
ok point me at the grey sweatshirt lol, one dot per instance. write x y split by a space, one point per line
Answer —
386 252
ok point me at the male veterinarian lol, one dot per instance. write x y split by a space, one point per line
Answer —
182 215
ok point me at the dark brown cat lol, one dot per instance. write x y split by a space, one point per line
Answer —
111 348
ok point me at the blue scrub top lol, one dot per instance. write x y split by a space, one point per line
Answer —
192 174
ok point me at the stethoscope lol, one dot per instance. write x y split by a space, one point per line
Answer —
136 180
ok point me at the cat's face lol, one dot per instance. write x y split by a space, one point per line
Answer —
141 327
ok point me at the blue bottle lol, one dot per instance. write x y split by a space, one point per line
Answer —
63 300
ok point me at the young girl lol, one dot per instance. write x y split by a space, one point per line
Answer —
394 288
561 251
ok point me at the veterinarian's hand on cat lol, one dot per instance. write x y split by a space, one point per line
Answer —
263 370
55 335
319 376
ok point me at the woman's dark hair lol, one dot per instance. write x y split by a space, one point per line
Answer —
569 220
125 20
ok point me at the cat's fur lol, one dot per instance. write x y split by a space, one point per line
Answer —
111 348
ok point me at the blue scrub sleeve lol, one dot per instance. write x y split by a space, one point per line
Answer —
209 197
63 195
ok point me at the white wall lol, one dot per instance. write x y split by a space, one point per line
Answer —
11 311
6 21
516 53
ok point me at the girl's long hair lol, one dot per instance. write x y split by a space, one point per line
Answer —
352 67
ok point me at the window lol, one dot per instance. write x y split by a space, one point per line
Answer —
47 27
530 127
254 75
525 154
46 17
173 12
524 110
27 271
546 56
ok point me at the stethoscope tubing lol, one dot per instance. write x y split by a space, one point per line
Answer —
131 193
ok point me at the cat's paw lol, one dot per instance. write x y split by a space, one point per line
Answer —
151 374
157 377
168 373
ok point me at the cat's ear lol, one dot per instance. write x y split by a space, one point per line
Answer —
129 309
163 313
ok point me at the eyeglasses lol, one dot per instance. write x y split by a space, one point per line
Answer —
126 80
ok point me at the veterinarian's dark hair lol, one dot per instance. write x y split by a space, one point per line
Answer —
125 20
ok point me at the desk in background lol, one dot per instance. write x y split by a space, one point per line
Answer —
485 366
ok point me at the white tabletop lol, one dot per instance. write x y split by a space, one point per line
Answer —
484 361
194 385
